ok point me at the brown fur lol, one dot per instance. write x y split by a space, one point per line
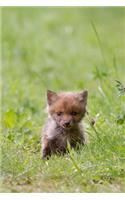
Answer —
65 111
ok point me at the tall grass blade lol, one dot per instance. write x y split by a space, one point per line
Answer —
99 41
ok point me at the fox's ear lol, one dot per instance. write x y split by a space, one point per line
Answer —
83 96
51 97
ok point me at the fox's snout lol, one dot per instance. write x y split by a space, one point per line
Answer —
66 121
67 124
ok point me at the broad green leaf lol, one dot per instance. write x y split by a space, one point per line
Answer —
10 119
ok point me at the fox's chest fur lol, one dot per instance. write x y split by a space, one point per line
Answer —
55 138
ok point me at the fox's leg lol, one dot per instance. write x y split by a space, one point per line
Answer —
76 142
46 150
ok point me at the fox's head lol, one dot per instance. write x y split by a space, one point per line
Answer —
67 109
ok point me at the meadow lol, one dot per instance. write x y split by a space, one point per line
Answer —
63 49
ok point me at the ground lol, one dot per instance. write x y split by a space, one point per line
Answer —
63 49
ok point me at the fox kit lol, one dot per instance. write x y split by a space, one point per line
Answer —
65 112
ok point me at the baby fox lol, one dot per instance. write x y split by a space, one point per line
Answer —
65 112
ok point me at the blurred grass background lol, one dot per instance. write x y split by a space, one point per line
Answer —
62 49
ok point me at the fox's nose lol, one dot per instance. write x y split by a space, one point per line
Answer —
67 124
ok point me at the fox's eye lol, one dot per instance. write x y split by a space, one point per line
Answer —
74 113
59 113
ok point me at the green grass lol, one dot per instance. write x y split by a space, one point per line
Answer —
63 49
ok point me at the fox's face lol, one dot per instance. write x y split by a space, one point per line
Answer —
67 109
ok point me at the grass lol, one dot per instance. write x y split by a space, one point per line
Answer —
63 49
